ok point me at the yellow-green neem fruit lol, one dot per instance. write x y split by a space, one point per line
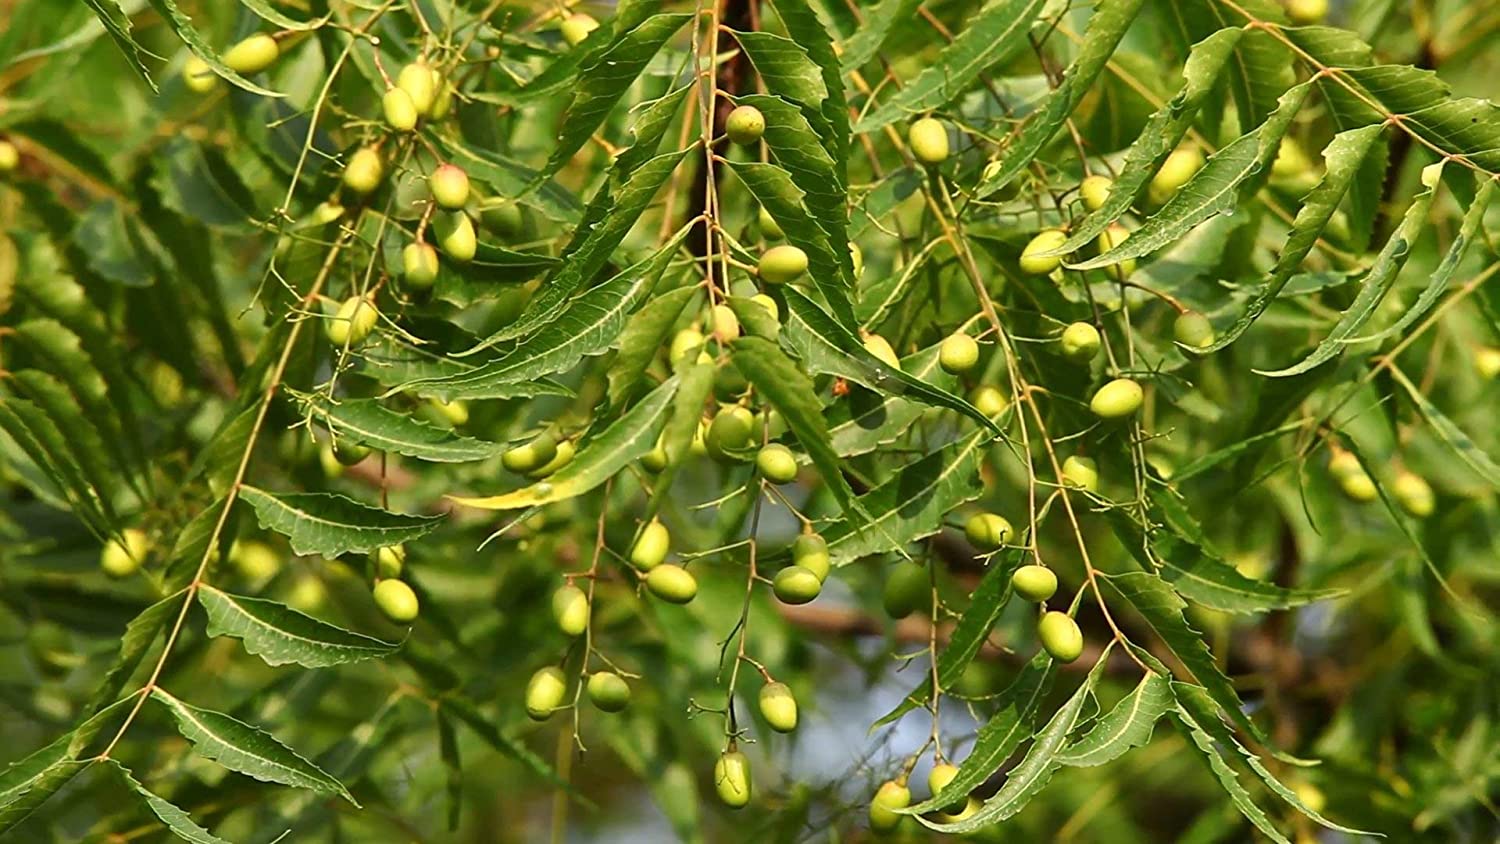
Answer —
396 600
810 551
608 691
684 347
656 459
857 258
364 171
1034 583
988 399
200 78
1108 239
732 779
449 185
796 585
353 322
10 157
723 322
443 102
570 608
745 125
730 432
455 234
1193 330
958 353
1359 487
566 451
1081 472
928 139
390 560
1094 190
777 464
545 692
400 111
987 531
881 348
419 265
1413 494
768 303
575 28
1035 263
778 707
1079 342
253 55
769 228
124 555
254 559
938 779
891 795
349 452
1175 172
1343 464
456 411
1118 399
1486 361
1306 12
533 455
782 264
651 546
1291 162
326 212
420 82
907 589
673 584
1060 636
502 216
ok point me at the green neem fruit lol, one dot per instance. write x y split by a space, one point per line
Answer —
769 228
502 216
456 411
724 323
390 561
928 139
1094 190
419 265
570 609
1292 170
307 594
124 555
575 28
200 78
252 55
907 589
1118 399
533 455
456 236
729 383
1359 487
353 322
745 125
326 212
971 805
449 185
545 692
777 464
1081 472
651 546
1413 494
810 551
938 779
1193 329
1111 237
1343 464
400 111
1034 583
1035 263
958 354
778 707
396 600
349 452
566 451
673 584
656 459
420 82
988 399
10 157
1080 342
987 531
881 348
685 347
255 560
857 258
782 264
1306 12
608 691
364 171
1060 636
732 779
891 795
1175 172
768 303
731 431
443 102
1487 362
796 585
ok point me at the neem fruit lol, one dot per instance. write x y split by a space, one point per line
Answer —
252 55
254 560
396 600
1081 472
724 323
364 171
562 457
455 234
778 707
988 399
1034 583
958 353
1094 190
777 464
796 585
907 589
449 185
891 795
1108 239
730 432
349 452
928 139
745 125
782 264
1118 399
987 531
1034 263
199 77
400 111
1060 636
124 555
419 265
651 547
1175 172
570 609
353 322
576 27
608 691
1306 12
732 779
673 584
502 216
1079 342
390 560
938 779
1193 329
533 455
1414 494
881 348
420 82
810 551
769 228
545 692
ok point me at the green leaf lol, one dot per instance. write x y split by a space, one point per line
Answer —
280 635
366 421
27 784
805 27
870 426
183 26
1233 450
453 765
247 750
116 22
196 181
77 428
329 524
994 34
179 822
871 37
1450 434
786 70
39 439
1226 775
1261 68
514 179
642 338
269 13
1126 726
463 710
134 644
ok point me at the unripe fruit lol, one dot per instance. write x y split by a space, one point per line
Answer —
891 796
1175 172
1060 636
1486 360
685 346
608 691
971 805
1079 342
575 28
1094 191
907 589
768 303
535 454
199 77
449 185
502 216
782 264
745 125
776 464
1193 329
796 585
725 325
390 560
1034 583
1108 239
396 600
1344 464
987 531
988 399
326 212
1118 399
732 779
443 102
348 452
730 432
124 556
769 228
307 594
420 82
545 692
400 112
1081 472
255 560
958 354
881 348
353 322
928 139
364 171
456 236
1413 494
673 584
810 551
938 779
651 547
778 707
1306 12
252 55
570 608
655 460
1033 262
419 265
564 455
1359 488
857 258
456 411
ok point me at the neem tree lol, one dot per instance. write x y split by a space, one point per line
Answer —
425 368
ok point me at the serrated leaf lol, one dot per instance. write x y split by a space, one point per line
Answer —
786 70
868 39
270 14
280 635
869 427
190 548
1226 775
805 27
64 412
182 25
197 182
642 338
1450 434
453 765
28 783
329 524
38 438
1129 724
179 822
466 712
116 22
134 644
1261 66
366 421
